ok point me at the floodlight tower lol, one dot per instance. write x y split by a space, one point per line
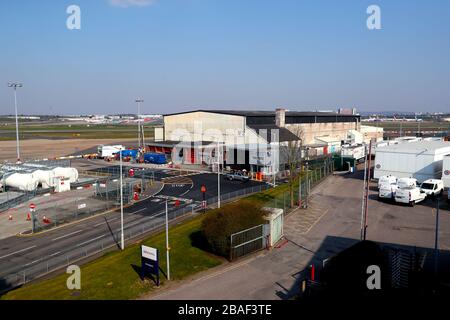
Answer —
139 101
16 85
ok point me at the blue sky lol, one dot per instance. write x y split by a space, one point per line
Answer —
230 54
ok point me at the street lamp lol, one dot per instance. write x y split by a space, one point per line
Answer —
139 101
122 238
218 174
16 85
167 242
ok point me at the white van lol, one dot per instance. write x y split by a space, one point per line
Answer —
408 192
432 187
387 191
387 180
407 183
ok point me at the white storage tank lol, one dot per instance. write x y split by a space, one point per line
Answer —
22 181
45 177
421 160
70 173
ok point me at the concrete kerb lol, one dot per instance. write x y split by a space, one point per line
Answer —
134 240
22 234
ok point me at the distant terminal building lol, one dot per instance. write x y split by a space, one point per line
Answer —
240 135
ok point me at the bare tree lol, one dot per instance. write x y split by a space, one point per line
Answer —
292 157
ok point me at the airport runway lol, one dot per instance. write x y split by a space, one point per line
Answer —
18 254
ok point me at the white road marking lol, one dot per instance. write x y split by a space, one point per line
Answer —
67 235
138 211
103 222
188 190
26 265
80 244
54 254
11 254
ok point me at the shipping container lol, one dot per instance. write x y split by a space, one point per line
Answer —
156 158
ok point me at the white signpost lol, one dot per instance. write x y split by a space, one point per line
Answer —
149 253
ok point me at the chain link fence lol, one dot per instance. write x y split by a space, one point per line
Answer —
311 176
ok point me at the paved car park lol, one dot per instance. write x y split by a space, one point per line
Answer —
331 223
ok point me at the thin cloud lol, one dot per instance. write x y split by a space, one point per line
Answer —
131 3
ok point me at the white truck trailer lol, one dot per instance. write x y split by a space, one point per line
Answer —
109 151
446 171
357 152
421 160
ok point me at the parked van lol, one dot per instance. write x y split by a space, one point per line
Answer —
432 187
387 180
408 192
387 191
407 183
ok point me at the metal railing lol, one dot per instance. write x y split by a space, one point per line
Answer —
75 254
248 241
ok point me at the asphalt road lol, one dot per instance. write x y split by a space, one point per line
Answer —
25 253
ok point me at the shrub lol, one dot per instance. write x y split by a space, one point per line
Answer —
218 226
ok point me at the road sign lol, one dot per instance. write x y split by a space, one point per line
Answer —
32 206
203 188
82 206
149 262
204 204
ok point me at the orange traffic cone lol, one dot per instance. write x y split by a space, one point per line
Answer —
10 217
28 217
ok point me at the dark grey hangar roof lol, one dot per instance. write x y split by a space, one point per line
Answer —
265 131
268 117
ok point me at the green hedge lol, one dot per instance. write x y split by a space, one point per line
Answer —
218 226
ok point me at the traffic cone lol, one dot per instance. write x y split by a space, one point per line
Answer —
28 217
45 219
10 217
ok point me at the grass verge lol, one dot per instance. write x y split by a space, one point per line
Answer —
115 275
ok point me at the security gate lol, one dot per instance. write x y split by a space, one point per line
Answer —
249 240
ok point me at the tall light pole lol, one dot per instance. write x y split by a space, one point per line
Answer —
139 101
16 85
167 242
122 238
218 174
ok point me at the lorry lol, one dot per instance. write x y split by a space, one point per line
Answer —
355 151
129 153
432 187
408 192
446 171
421 159
108 151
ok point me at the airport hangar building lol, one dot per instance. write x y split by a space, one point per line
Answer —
255 133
